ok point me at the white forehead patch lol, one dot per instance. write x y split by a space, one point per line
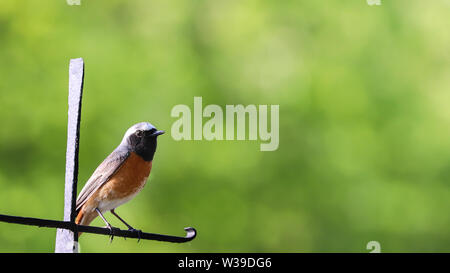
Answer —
144 126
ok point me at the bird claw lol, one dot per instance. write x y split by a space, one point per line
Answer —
138 231
111 232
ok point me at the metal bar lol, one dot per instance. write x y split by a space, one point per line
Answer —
191 233
66 239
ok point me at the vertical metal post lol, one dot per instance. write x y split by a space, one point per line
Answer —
67 240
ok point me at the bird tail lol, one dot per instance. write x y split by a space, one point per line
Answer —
84 218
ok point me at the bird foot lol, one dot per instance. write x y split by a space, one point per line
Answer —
138 231
111 232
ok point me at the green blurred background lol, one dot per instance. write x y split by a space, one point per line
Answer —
364 97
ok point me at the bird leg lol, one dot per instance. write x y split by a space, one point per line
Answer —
130 228
108 225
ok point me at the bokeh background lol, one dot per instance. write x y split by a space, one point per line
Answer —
364 96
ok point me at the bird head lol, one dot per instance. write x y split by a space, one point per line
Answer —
141 138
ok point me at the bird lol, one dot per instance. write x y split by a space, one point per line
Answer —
120 177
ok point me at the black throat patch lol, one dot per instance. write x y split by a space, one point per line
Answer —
144 146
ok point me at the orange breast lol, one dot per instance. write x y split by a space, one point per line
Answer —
128 180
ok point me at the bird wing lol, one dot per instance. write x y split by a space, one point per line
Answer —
102 174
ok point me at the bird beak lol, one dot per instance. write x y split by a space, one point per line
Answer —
157 133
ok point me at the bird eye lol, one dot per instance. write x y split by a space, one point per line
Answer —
139 133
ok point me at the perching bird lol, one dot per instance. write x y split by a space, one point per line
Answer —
119 177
